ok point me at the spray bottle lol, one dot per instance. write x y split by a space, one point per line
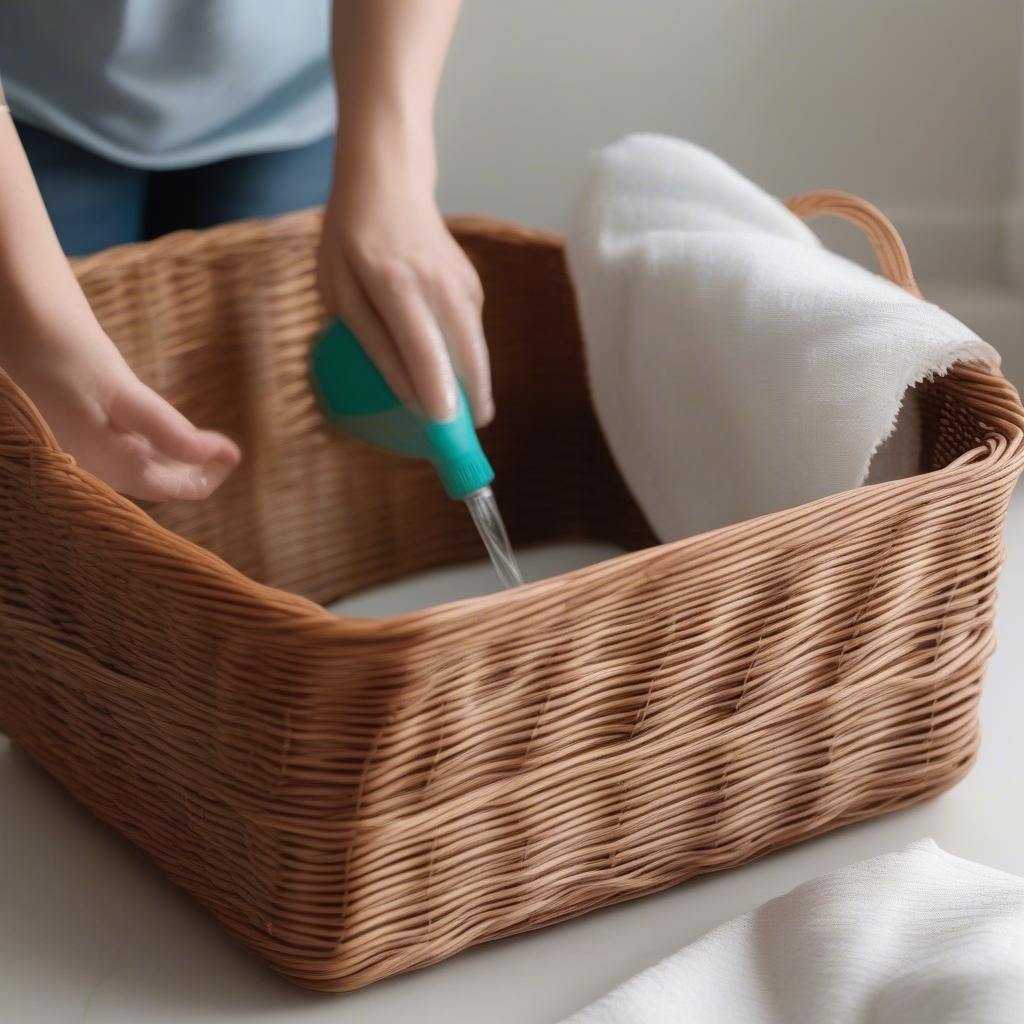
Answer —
356 399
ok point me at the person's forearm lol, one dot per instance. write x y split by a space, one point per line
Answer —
55 350
38 290
388 58
388 265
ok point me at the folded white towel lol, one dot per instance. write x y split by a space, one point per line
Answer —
737 366
918 937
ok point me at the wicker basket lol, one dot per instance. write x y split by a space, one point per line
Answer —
355 798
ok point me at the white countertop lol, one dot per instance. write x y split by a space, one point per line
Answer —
89 931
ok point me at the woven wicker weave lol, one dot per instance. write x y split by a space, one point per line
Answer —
355 798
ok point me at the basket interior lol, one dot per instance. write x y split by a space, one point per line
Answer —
220 322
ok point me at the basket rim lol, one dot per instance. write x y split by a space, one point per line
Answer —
1000 458
208 243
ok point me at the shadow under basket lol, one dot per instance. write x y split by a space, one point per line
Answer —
356 798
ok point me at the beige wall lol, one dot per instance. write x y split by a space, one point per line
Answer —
914 103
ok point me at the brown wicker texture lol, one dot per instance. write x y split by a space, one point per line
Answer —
355 798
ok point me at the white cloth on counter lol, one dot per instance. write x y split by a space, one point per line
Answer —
917 937
738 367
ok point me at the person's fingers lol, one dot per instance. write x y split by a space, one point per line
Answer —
359 316
464 333
138 409
401 306
177 481
170 480
156 479
130 464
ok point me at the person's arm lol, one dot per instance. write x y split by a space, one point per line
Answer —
52 346
388 266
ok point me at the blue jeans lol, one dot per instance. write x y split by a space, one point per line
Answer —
95 203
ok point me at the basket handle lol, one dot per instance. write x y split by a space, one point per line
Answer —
884 238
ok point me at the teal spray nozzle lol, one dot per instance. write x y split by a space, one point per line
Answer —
356 398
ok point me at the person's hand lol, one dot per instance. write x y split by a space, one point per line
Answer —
390 269
114 425
53 347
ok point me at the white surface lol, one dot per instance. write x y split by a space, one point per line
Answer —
89 931
912 103
915 937
737 366
443 585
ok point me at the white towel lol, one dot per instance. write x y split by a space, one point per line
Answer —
918 937
737 366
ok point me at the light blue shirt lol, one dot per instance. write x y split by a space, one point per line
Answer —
170 83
